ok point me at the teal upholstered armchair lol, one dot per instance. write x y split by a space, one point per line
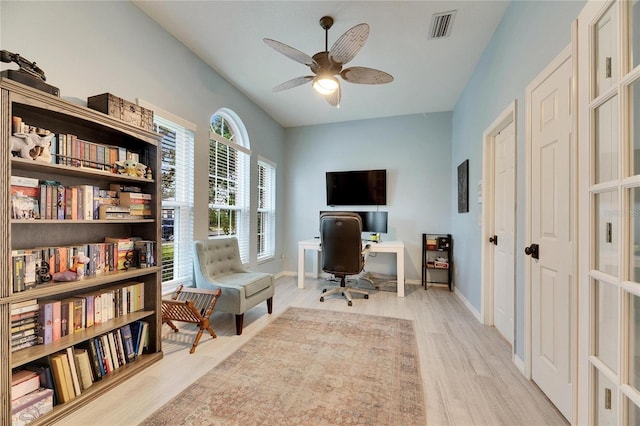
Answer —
217 264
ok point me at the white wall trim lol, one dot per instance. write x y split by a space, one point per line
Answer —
507 116
519 363
468 305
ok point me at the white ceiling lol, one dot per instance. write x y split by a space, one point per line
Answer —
429 75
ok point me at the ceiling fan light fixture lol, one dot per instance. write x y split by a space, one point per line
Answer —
325 85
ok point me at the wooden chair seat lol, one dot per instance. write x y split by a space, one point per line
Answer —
192 305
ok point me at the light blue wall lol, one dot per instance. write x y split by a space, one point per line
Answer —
88 48
415 150
530 35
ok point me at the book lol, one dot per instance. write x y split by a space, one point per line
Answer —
94 358
115 359
25 196
62 377
15 307
45 323
117 337
140 330
127 343
127 198
31 406
75 379
106 353
100 356
18 269
64 317
84 367
23 382
122 188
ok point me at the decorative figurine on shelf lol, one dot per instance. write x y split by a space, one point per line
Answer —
75 272
131 168
45 153
149 173
29 145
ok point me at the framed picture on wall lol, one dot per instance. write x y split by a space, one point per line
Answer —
463 187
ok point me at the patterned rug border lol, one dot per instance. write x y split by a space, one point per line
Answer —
416 414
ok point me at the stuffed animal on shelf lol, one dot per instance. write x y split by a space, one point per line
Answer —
131 168
30 145
75 272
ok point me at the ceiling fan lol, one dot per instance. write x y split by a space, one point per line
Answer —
328 64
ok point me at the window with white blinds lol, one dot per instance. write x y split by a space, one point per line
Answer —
266 209
177 202
229 158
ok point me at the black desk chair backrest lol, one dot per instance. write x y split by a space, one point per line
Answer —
341 242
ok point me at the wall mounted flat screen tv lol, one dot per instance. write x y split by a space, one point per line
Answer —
357 188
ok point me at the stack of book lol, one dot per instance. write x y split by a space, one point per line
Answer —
28 399
139 203
24 324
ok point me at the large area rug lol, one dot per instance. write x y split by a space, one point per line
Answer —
310 367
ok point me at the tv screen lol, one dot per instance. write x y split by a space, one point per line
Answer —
357 188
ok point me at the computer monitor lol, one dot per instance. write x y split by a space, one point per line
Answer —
372 222
375 222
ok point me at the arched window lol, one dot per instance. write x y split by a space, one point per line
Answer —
229 162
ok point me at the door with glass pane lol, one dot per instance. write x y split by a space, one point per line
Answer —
609 142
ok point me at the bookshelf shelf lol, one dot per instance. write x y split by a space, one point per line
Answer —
33 353
22 164
61 288
93 128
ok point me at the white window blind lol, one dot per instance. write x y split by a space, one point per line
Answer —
177 203
266 209
229 184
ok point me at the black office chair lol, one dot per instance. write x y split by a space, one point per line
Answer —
342 251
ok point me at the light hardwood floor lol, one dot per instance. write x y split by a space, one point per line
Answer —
468 375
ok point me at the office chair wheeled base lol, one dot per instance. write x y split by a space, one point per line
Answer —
346 292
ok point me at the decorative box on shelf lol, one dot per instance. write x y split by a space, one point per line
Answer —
122 109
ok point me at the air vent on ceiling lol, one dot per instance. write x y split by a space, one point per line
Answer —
441 24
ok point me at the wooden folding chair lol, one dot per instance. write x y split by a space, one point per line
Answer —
192 305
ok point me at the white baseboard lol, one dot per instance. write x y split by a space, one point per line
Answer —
519 363
468 304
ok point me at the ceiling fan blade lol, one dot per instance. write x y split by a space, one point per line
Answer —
364 75
290 52
334 98
349 44
298 81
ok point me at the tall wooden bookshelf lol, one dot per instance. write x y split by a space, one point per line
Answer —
60 116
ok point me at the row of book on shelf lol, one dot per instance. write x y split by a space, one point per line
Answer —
64 375
48 199
41 265
70 150
44 321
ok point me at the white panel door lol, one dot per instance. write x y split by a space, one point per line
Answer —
551 230
504 228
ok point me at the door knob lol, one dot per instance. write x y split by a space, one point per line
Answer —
494 240
533 250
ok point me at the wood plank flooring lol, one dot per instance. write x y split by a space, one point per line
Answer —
468 375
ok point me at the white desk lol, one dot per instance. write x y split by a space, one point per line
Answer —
396 247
